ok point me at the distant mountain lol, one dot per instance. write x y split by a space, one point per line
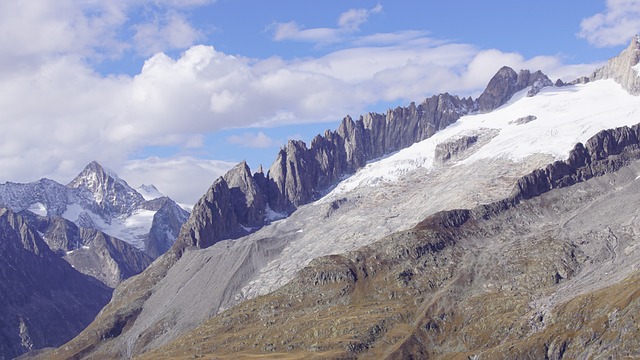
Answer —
501 226
149 192
98 222
43 301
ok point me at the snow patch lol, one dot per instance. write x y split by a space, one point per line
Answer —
149 192
132 229
38 209
271 216
73 211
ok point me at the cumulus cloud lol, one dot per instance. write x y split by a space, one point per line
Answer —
58 113
169 31
32 32
348 22
252 140
184 179
615 26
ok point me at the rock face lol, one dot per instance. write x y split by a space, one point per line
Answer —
622 68
606 152
43 300
524 120
445 151
112 195
91 252
506 83
299 174
165 227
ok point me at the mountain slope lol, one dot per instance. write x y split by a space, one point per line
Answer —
121 231
553 276
475 160
43 301
90 251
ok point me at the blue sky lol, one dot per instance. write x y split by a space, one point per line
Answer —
175 92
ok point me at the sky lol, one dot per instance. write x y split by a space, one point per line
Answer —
174 93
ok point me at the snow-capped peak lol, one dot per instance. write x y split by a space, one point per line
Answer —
149 192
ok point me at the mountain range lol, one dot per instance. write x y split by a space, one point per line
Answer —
66 247
498 227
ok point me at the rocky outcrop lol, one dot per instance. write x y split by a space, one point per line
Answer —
212 219
91 252
43 300
445 151
506 83
523 120
622 69
165 227
605 152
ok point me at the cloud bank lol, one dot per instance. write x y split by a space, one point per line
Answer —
614 26
58 113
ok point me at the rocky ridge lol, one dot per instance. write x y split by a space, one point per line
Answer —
240 201
622 68
90 251
44 302
97 199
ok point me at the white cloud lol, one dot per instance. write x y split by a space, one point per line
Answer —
348 22
615 26
32 32
58 114
184 179
63 115
353 18
252 140
170 31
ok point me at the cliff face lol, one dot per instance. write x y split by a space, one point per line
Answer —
622 68
43 300
238 203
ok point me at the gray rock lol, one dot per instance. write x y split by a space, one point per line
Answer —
444 151
91 252
165 228
506 82
111 194
248 197
523 120
43 301
620 69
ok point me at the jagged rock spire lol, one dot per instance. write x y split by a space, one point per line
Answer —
623 68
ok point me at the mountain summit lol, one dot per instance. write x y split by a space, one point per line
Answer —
112 194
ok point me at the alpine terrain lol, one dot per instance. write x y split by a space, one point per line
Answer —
66 247
504 226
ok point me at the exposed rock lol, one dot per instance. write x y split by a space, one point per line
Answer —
605 152
165 227
111 194
621 68
43 300
523 120
91 252
506 82
444 151
247 196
